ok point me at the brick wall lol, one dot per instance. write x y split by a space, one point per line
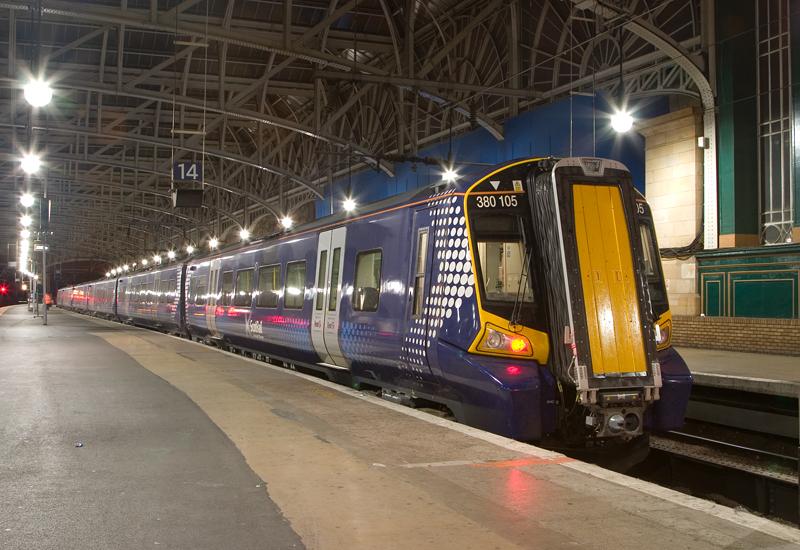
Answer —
774 336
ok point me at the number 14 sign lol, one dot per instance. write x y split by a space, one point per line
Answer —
187 171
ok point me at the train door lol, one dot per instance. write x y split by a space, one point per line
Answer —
211 303
327 299
421 250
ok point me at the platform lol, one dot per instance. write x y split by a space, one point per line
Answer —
184 446
751 372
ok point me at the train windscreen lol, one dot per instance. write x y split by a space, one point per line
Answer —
501 252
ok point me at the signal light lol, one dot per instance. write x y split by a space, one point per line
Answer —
3 290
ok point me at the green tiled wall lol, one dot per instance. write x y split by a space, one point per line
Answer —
750 282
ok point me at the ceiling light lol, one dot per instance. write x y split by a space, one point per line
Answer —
349 204
38 93
213 243
156 259
287 222
25 234
144 261
449 175
30 163
244 234
108 274
126 267
621 121
27 200
25 220
24 244
171 254
189 249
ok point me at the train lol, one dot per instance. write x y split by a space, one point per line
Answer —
526 299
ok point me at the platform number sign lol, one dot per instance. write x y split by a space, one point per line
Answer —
187 171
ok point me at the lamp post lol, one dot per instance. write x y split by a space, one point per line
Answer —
28 200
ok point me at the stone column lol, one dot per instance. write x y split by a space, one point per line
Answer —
674 190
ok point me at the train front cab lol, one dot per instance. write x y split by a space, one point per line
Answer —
493 350
607 308
567 336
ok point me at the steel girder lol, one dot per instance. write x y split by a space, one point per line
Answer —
278 101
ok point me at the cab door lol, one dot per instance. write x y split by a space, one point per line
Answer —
211 303
416 322
328 298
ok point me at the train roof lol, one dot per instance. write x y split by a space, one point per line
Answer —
467 175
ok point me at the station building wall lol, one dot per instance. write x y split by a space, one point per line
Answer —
674 189
753 273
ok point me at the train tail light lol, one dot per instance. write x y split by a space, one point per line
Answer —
498 341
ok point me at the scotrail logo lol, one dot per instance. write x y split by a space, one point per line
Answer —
254 328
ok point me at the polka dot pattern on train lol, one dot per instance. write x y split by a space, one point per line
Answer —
453 285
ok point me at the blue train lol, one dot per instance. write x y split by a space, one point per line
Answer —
527 300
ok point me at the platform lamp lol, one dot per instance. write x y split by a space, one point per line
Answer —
621 120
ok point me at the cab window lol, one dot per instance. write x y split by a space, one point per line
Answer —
652 265
502 266
501 259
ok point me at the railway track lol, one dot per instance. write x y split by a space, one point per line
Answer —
729 466
781 467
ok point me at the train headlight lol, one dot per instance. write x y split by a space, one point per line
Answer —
663 334
616 423
502 342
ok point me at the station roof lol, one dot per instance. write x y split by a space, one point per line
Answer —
278 97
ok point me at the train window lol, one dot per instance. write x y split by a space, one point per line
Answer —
211 295
649 251
334 295
655 281
164 294
269 284
171 290
295 285
367 292
202 293
166 291
501 258
244 288
227 288
320 290
192 295
419 274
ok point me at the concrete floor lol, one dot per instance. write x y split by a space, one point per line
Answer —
754 372
738 363
178 438
153 471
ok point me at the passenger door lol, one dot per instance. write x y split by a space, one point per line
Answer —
328 297
211 303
